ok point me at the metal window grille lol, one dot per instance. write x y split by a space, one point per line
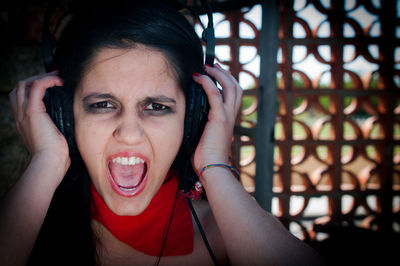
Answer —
337 131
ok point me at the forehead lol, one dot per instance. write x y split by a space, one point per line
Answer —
140 67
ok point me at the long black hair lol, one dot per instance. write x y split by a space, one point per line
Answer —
66 237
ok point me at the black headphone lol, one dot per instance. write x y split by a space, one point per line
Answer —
59 102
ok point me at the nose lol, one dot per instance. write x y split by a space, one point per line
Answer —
129 130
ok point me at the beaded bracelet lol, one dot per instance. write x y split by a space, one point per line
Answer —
195 193
231 168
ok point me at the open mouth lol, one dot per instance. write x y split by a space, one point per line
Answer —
128 175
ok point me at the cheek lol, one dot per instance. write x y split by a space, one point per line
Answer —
166 139
90 138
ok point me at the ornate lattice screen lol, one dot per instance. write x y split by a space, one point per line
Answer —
337 132
237 36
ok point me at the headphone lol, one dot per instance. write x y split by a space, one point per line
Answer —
59 102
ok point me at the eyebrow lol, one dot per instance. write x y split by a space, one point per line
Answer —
159 98
98 96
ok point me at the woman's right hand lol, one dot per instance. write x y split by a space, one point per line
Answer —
38 132
24 207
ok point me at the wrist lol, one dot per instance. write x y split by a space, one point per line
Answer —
58 164
211 161
44 173
210 170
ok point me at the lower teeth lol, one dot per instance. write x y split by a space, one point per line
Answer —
127 189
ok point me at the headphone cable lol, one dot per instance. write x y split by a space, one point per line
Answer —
203 234
196 218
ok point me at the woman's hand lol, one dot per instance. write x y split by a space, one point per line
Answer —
246 229
23 209
215 143
37 130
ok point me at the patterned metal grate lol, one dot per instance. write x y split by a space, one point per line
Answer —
337 132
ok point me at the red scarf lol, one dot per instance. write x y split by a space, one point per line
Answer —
146 231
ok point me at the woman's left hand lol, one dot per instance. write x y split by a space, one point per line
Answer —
216 140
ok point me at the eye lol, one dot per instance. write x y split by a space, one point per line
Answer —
157 107
103 106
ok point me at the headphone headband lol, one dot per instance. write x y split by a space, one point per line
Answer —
49 41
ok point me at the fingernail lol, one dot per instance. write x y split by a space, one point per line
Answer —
208 65
196 74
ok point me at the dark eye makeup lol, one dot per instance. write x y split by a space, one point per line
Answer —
157 108
149 106
100 107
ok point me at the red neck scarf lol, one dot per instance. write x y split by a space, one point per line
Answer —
146 231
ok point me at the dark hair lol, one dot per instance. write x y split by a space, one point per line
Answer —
126 25
66 236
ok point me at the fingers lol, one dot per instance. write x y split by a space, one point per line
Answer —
232 92
29 93
31 120
38 90
213 94
20 96
230 101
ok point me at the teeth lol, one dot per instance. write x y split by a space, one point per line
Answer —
128 160
127 189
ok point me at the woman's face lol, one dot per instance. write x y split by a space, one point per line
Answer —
129 115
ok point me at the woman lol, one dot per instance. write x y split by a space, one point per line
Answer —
117 201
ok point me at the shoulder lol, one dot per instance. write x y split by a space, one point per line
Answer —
211 231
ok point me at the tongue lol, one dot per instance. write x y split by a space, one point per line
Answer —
127 176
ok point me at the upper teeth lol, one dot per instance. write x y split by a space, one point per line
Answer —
128 160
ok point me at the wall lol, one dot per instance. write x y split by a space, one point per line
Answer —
20 57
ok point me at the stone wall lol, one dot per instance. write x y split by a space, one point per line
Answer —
20 57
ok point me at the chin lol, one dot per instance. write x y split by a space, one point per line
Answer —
128 207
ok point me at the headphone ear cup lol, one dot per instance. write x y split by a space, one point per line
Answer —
59 106
196 117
